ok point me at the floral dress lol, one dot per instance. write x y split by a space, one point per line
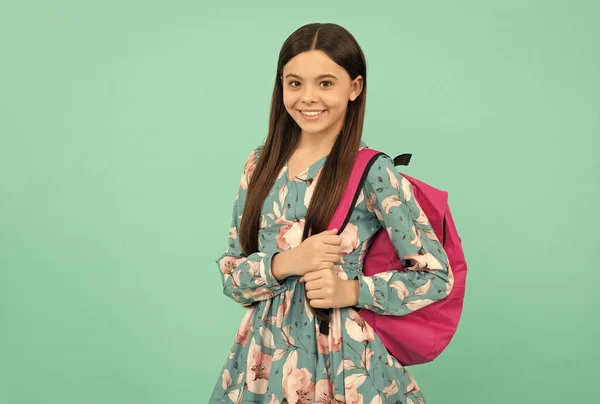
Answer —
279 354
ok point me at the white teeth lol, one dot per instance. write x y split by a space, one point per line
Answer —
312 113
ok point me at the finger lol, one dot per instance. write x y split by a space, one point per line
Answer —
316 294
314 285
331 257
333 240
311 276
332 249
318 303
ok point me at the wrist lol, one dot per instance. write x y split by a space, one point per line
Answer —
352 292
280 265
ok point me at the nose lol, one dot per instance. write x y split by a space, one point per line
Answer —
310 95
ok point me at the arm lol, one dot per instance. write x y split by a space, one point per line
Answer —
247 279
389 196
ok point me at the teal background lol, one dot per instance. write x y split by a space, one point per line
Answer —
124 127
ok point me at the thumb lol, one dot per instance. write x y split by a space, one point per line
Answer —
331 231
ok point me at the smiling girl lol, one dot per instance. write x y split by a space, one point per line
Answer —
302 339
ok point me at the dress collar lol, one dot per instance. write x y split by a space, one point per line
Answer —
313 169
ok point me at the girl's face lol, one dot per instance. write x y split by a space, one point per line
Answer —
313 82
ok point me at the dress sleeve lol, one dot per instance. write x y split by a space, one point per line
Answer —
389 196
246 279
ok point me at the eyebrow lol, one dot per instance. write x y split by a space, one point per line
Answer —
318 77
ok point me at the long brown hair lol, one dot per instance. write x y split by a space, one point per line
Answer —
284 134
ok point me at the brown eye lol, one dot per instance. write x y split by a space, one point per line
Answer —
291 82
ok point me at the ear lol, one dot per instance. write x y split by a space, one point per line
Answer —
356 88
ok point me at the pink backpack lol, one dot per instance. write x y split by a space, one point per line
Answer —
418 337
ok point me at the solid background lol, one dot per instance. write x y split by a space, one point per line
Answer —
124 127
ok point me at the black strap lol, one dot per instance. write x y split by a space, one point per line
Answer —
402 160
324 327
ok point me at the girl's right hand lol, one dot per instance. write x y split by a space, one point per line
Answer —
319 251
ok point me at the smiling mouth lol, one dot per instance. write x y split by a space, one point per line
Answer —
312 113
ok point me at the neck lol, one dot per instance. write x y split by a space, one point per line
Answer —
321 142
317 143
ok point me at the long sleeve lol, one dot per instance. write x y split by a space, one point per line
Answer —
246 279
389 196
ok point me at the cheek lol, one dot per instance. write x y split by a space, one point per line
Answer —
289 101
335 102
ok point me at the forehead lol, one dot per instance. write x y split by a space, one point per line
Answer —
312 64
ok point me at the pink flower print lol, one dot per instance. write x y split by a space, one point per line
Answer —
324 392
296 382
413 387
232 232
236 278
389 202
365 358
248 170
226 379
391 389
406 189
422 219
227 265
259 367
244 331
416 241
423 261
357 328
404 184
352 383
371 205
234 395
284 307
339 271
290 234
393 179
349 238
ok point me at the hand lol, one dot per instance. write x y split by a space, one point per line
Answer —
326 290
319 251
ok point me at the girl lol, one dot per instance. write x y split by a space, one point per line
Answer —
291 274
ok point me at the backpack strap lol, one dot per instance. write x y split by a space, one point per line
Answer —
364 160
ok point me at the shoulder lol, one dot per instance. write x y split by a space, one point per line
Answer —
250 165
382 166
253 156
383 175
